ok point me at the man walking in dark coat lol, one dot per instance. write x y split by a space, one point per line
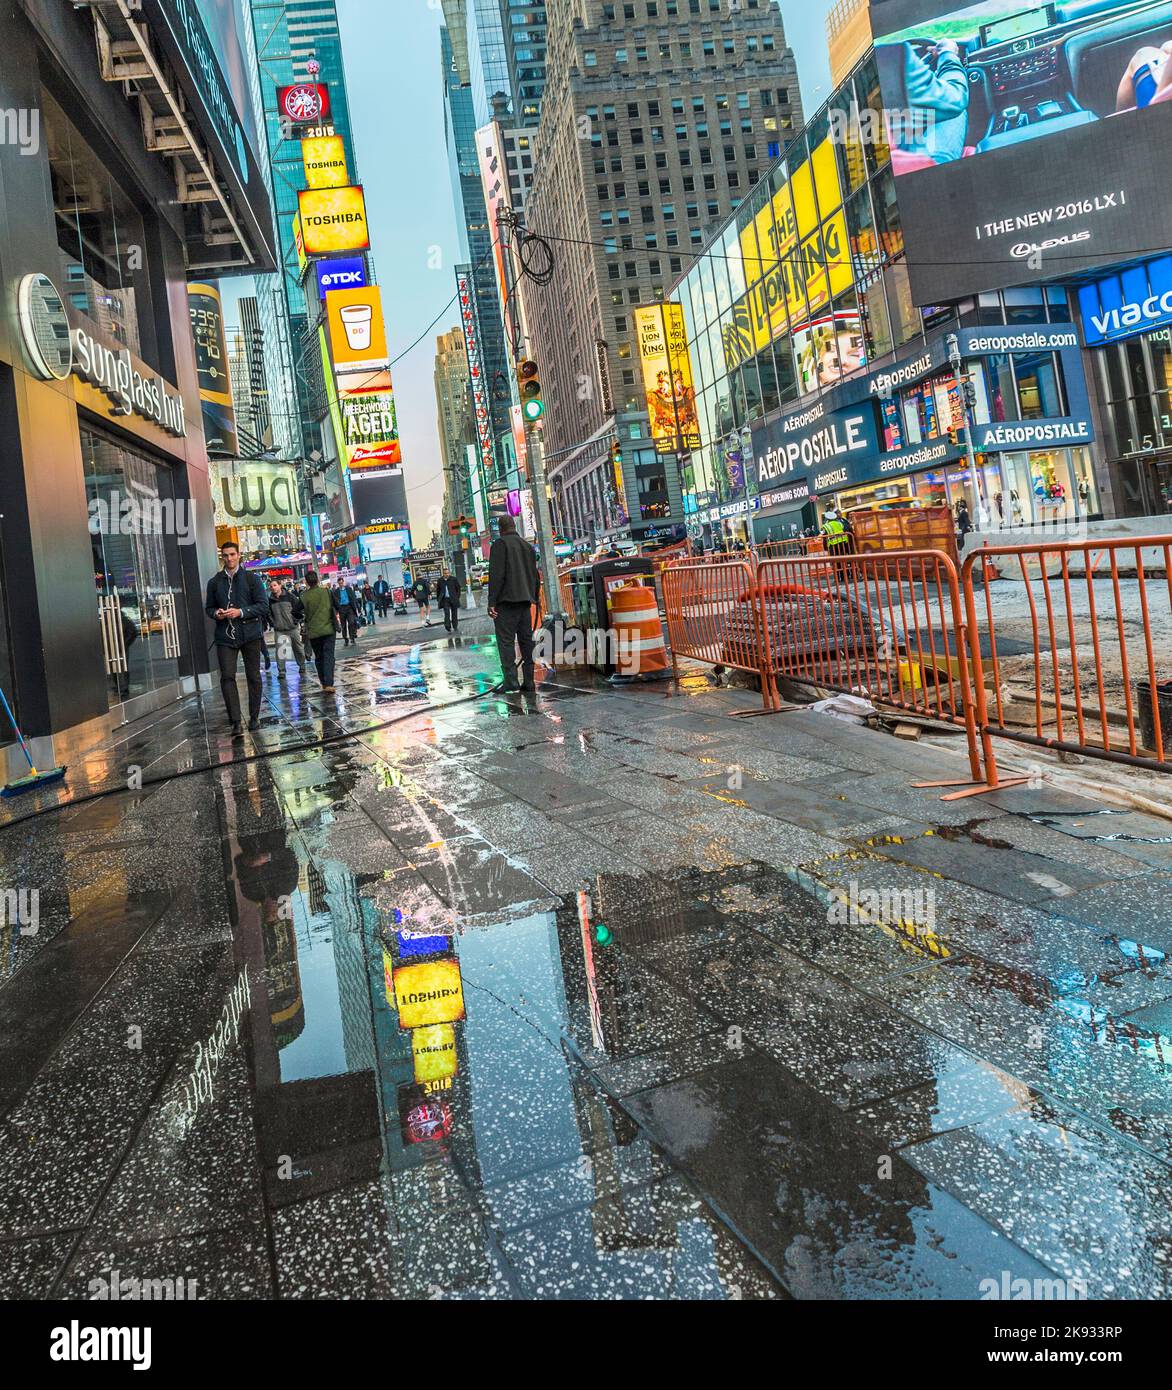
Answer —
239 602
514 584
447 593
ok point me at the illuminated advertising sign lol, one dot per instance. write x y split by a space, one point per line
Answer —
323 157
333 220
494 177
429 992
211 365
433 1052
370 425
422 1116
304 103
299 243
828 347
379 500
481 404
667 378
829 448
358 335
1026 138
1135 300
796 257
340 273
246 494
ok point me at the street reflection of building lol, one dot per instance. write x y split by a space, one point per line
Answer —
286 1006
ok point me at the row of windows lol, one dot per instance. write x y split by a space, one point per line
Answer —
698 103
687 184
670 8
663 49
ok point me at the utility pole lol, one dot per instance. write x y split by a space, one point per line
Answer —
963 387
534 444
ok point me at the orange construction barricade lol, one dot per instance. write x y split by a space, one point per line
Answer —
638 631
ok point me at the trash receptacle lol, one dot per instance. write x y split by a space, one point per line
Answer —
1147 722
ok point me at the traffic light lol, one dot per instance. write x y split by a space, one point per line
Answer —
460 526
970 393
616 457
529 386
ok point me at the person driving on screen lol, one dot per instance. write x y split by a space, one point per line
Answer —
936 90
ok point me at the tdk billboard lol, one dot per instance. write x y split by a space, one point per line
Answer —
344 274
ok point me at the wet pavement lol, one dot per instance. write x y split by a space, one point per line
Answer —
600 993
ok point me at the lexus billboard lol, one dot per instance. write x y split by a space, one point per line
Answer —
1027 142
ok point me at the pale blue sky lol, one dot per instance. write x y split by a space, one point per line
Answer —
391 52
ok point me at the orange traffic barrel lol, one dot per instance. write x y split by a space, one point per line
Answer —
638 631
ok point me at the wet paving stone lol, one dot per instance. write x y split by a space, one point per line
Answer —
831 1214
1062 1190
682 1063
655 1241
29 1268
210 1265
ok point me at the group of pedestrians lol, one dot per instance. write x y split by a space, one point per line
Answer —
244 607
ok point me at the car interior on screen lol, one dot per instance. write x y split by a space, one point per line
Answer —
999 74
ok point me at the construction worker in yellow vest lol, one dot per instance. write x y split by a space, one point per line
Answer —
836 532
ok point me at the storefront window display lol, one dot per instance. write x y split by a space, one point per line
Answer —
134 534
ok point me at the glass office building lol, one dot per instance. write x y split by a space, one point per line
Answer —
817 378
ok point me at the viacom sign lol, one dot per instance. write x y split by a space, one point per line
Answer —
1130 302
815 438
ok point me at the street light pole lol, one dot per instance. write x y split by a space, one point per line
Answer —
534 444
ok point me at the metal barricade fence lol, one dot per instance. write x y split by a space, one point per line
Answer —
889 627
713 616
1081 631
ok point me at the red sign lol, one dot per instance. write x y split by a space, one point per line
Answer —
306 103
389 454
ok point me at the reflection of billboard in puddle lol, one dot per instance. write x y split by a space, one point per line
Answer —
419 943
433 1052
422 1117
428 992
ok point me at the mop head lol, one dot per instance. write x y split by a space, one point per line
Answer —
34 779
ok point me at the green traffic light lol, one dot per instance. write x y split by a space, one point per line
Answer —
534 410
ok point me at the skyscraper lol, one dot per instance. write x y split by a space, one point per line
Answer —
683 108
525 42
454 421
476 235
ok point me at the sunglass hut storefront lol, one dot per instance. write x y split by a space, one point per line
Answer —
898 435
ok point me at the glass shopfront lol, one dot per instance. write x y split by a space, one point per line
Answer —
136 527
1135 378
